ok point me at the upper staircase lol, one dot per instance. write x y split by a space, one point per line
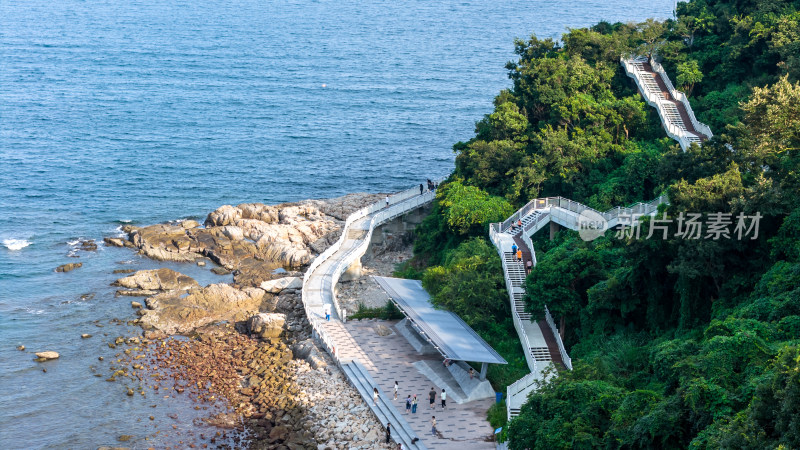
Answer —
672 105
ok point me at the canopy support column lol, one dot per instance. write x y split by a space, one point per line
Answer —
484 366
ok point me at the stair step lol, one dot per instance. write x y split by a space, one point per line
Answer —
540 353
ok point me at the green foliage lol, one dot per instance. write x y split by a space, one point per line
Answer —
497 415
470 283
688 75
409 269
388 312
467 209
676 343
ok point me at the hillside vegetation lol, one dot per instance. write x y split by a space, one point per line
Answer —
675 342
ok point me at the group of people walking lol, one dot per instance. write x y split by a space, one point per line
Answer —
518 256
411 406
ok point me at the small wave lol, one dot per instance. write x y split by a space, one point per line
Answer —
16 244
124 221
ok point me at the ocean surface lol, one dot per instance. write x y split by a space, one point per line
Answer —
149 111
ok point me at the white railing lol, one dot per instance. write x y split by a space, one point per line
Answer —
519 388
549 203
681 97
529 358
405 204
673 130
527 240
564 356
314 311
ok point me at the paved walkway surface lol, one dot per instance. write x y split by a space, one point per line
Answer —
390 359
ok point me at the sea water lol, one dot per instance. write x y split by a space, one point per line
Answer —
138 112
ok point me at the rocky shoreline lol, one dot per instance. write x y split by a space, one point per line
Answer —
243 350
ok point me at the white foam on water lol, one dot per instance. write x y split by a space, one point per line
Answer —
16 244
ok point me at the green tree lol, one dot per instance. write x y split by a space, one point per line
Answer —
651 37
468 209
688 75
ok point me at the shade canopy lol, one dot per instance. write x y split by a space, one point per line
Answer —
444 330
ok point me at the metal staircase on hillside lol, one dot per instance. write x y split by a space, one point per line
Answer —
672 105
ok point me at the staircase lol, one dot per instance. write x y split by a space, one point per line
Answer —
541 341
534 217
672 105
383 410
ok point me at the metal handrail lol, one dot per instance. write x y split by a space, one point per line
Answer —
681 97
313 312
547 203
673 131
564 356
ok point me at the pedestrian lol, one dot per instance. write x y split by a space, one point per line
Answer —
375 396
420 189
430 184
433 425
444 399
519 223
519 255
327 309
387 201
408 404
388 431
395 390
414 404
514 248
432 397
471 373
529 265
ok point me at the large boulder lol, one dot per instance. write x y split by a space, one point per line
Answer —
266 325
157 280
281 284
165 243
181 312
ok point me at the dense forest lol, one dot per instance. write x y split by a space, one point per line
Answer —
675 342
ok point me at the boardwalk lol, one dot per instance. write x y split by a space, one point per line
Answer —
371 361
391 358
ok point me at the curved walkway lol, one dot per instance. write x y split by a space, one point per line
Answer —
319 283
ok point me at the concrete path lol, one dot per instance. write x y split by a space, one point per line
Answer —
390 359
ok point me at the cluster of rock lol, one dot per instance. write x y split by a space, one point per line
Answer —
276 379
337 416
178 304
250 239
283 403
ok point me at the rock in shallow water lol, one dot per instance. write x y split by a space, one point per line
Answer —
47 355
157 280
68 267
